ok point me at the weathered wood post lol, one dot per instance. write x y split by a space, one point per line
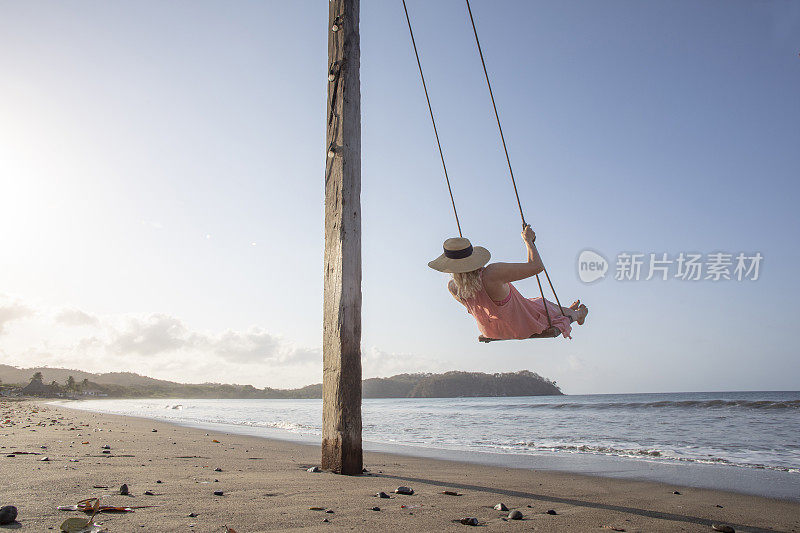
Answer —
341 345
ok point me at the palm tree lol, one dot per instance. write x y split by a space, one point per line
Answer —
37 377
70 383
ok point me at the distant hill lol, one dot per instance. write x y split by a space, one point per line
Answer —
131 385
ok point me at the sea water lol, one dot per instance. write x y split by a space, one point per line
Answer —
757 431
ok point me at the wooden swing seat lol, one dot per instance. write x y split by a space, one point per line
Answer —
549 333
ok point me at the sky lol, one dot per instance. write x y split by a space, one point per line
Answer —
162 166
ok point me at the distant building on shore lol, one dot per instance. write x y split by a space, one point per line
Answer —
37 388
93 392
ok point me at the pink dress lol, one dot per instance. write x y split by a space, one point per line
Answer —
516 317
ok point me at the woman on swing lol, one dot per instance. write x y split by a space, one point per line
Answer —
486 291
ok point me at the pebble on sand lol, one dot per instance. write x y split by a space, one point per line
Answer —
500 507
8 515
676 492
314 470
124 489
515 515
218 493
375 509
469 521
723 527
408 491
551 511
218 469
382 495
149 493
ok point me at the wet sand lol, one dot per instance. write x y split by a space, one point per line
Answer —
266 486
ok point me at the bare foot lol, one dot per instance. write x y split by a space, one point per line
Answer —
575 305
582 312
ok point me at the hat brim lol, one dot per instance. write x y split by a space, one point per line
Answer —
480 256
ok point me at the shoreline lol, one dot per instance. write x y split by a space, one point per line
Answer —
266 486
769 483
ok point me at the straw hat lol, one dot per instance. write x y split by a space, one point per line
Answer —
460 256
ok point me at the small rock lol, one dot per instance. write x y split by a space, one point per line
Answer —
329 511
106 447
216 481
500 507
158 481
676 492
450 493
218 493
469 521
408 491
515 515
218 469
375 509
325 520
44 459
124 489
718 505
192 515
106 451
155 431
551 511
723 527
314 470
8 514
149 493
382 495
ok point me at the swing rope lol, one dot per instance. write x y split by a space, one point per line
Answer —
496 116
433 120
510 170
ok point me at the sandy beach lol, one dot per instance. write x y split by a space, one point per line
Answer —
266 486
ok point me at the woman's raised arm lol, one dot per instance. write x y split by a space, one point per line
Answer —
500 273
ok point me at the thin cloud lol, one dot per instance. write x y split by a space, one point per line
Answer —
76 317
12 311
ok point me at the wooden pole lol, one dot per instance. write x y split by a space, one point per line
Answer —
341 345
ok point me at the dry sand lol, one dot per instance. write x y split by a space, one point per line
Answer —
266 485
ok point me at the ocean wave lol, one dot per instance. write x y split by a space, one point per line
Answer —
644 453
673 404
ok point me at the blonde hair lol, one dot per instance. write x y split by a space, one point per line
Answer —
468 284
